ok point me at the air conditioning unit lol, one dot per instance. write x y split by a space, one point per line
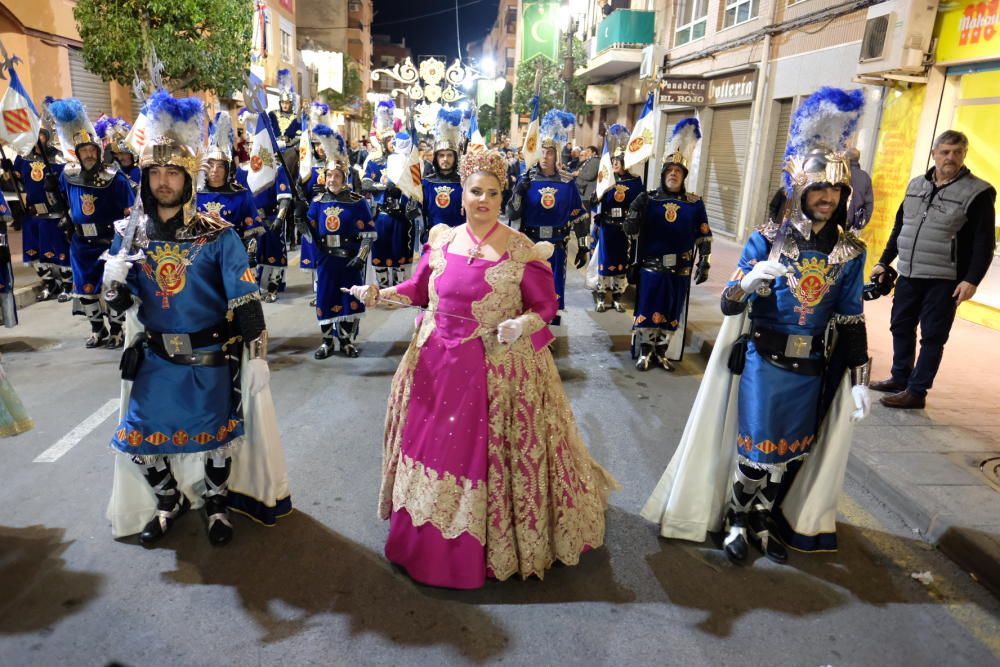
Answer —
652 59
897 39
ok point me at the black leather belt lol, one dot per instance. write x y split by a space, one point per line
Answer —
535 233
790 352
194 359
181 348
93 232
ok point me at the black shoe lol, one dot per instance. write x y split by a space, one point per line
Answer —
64 297
661 358
763 535
556 321
323 351
97 339
312 304
45 295
270 297
616 302
220 530
645 360
161 522
734 544
349 349
115 340
600 305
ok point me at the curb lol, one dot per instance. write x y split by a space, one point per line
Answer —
977 555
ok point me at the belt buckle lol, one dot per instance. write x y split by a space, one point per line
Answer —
333 241
616 212
798 347
89 229
41 209
545 232
670 261
177 344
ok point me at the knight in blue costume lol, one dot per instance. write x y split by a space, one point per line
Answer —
273 202
670 227
392 250
548 204
613 247
442 187
313 183
44 245
221 196
285 121
96 195
114 131
342 225
199 304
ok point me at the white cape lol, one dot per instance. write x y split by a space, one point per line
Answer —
692 496
259 471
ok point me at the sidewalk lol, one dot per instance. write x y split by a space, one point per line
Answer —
923 464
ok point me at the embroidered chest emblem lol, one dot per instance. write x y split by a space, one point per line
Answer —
167 267
670 212
548 197
331 220
262 159
321 178
88 204
37 171
214 208
812 283
620 191
443 197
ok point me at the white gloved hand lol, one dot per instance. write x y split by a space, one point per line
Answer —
364 293
115 271
258 375
761 272
509 331
862 401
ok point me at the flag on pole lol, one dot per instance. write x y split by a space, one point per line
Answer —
476 141
605 172
137 135
532 148
404 168
305 149
263 168
20 122
640 144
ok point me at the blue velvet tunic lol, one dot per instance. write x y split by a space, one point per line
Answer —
41 239
348 219
442 203
612 244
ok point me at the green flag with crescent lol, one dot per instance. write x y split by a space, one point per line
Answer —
540 33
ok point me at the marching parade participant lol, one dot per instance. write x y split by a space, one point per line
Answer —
96 195
285 121
669 227
341 223
220 195
114 132
267 180
312 173
613 252
548 204
185 416
520 491
442 187
797 286
44 245
392 250
373 180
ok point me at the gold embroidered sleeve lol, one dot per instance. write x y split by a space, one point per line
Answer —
390 298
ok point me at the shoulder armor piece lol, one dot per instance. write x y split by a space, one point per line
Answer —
848 247
692 197
203 225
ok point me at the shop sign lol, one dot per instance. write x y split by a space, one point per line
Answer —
604 95
684 91
968 31
730 89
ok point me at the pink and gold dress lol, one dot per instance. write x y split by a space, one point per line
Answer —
484 472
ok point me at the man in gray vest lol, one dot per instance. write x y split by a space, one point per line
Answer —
944 240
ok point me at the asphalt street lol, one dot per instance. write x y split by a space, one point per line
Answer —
317 590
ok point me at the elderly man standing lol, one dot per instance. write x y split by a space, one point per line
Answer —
944 240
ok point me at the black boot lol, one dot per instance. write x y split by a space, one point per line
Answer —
116 337
645 359
599 301
660 351
764 536
220 530
616 301
734 544
170 502
272 293
327 347
98 338
345 336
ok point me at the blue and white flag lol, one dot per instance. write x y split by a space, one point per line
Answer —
476 141
19 124
532 148
640 144
605 172
263 166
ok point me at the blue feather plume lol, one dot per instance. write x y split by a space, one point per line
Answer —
451 117
67 110
180 109
321 108
322 131
102 125
826 119
679 127
556 123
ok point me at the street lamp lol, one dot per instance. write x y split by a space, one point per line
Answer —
569 14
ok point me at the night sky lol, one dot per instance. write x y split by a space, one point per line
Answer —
434 35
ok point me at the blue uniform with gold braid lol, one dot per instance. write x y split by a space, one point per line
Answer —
42 240
342 221
549 211
185 286
93 207
235 205
442 201
373 177
780 404
272 256
307 253
671 228
613 246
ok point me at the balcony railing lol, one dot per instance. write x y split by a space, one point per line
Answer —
625 29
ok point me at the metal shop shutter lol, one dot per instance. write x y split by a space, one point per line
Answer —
727 156
88 88
780 141
136 106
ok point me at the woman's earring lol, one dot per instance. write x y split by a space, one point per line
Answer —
463 210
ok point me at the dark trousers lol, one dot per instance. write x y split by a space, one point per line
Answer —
929 303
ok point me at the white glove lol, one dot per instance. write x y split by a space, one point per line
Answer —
115 271
761 272
509 331
258 375
863 402
364 293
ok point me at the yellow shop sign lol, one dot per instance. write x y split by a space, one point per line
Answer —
968 31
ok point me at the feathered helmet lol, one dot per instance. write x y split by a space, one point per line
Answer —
114 131
73 127
617 137
220 138
447 132
174 137
247 119
555 128
286 90
334 147
319 114
680 148
815 154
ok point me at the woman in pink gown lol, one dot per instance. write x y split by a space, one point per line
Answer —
484 472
